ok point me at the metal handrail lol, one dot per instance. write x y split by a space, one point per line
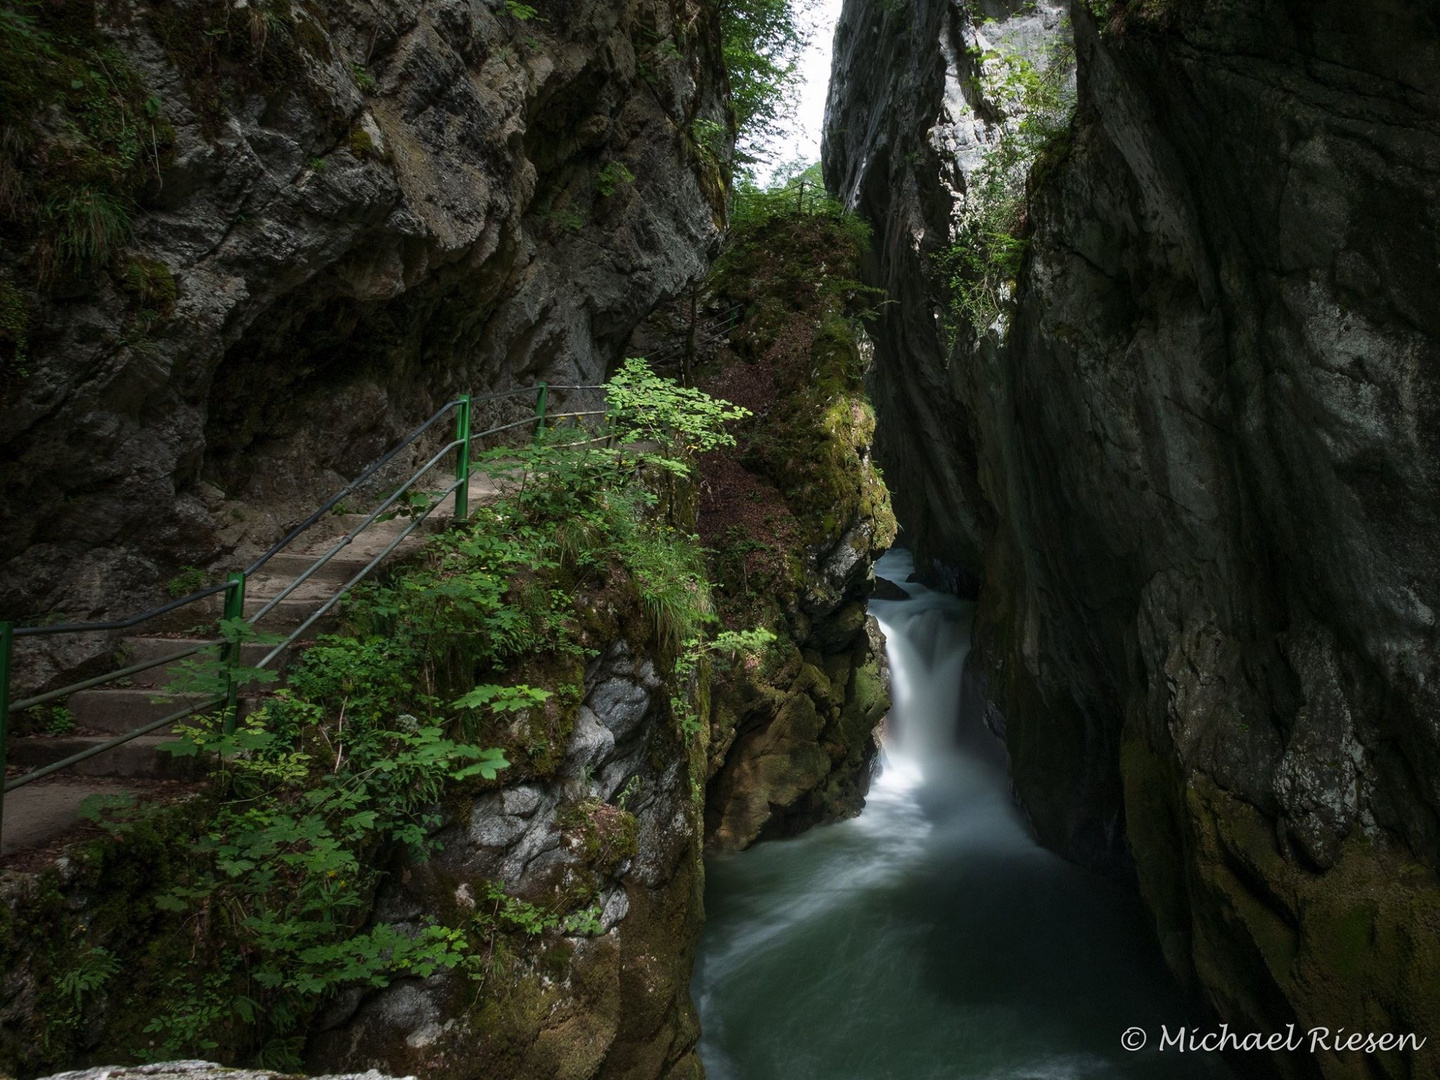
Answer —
117 624
351 487
234 588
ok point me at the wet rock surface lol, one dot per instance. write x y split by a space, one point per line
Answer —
1196 483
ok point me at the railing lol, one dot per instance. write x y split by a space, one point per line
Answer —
701 335
234 587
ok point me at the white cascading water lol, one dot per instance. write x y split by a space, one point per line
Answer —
930 938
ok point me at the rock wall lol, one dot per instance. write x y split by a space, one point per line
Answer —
1195 478
795 516
619 822
346 213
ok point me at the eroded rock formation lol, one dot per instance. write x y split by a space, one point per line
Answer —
1194 476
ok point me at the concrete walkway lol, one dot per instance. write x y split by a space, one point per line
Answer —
40 813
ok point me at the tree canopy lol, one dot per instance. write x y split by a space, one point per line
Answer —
763 41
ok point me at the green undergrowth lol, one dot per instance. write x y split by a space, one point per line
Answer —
461 671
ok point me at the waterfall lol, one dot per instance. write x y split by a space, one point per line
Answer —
930 938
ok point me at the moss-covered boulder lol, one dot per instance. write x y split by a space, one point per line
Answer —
795 516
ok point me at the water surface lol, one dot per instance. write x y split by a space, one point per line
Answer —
930 937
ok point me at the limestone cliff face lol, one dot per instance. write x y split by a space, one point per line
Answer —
344 214
908 122
1197 477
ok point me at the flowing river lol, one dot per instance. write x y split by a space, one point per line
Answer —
930 938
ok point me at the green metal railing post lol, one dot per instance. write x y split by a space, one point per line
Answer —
462 461
7 641
234 609
540 399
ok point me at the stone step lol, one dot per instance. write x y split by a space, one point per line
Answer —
45 811
139 757
136 649
288 565
125 708
203 617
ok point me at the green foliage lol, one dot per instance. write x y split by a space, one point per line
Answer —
43 719
212 671
517 10
94 969
728 645
680 420
363 79
333 765
60 721
187 580
775 235
86 226
84 136
153 293
761 42
712 138
670 575
498 913
978 270
792 198
609 179
502 698
565 220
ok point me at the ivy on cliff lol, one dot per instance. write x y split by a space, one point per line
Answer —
977 270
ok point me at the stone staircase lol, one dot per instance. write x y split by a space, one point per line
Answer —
44 812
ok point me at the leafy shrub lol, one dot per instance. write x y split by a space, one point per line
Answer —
363 78
609 179
681 420
978 269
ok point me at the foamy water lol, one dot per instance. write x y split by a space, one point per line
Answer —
930 937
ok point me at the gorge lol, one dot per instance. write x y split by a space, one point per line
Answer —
1127 306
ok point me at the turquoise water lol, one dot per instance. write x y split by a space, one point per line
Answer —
930 937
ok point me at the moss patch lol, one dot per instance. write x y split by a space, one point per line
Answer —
85 136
